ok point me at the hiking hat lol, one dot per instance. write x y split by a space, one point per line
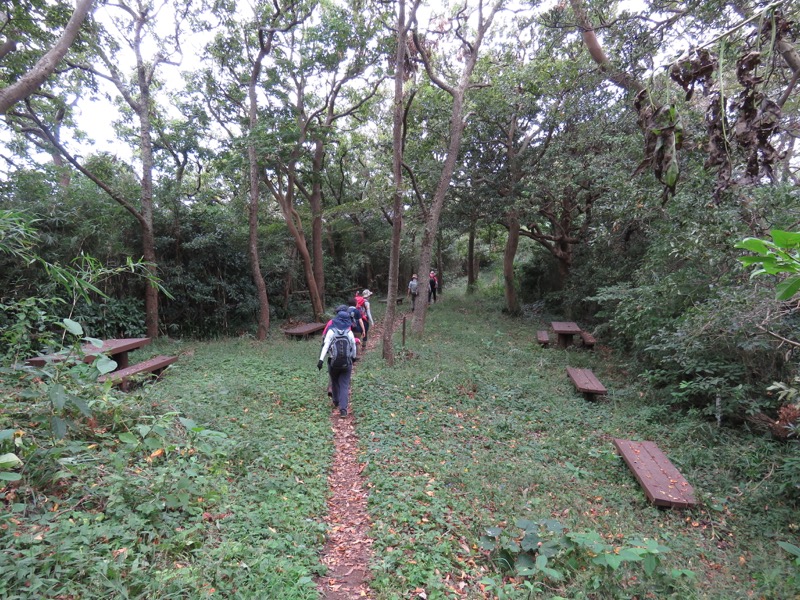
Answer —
342 320
413 277
366 293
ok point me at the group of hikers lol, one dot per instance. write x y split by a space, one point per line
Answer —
413 289
341 338
347 331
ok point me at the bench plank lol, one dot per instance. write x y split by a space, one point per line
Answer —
152 365
662 483
303 331
588 339
543 337
586 382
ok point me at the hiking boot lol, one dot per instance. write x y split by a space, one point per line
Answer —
335 404
342 413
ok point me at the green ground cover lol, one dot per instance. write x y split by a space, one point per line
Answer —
488 477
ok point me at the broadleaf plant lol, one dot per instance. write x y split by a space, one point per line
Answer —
781 255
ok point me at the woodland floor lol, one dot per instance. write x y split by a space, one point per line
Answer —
348 549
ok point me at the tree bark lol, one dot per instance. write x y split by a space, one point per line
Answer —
32 80
471 266
252 213
397 176
315 202
510 253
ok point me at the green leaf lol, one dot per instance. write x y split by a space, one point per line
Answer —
9 461
5 476
128 438
494 531
785 239
790 548
527 524
94 342
609 560
787 288
105 365
73 327
530 541
524 562
81 405
187 423
58 396
59 427
487 543
754 245
650 563
630 554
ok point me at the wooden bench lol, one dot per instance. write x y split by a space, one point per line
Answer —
586 382
303 331
153 365
543 337
587 339
662 483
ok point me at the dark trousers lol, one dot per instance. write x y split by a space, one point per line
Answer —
431 292
340 385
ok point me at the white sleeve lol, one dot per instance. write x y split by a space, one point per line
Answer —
327 343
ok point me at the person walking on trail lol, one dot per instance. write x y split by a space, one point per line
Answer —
359 329
337 310
366 312
413 291
340 348
433 285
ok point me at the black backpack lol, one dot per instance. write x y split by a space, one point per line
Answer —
338 350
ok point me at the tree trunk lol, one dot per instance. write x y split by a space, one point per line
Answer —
252 213
315 202
30 82
512 301
295 225
397 174
146 149
471 276
432 223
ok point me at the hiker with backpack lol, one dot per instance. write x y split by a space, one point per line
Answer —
357 317
413 291
433 285
366 311
340 348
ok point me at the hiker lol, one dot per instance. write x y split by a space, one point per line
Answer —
433 285
413 290
367 313
359 329
337 310
340 347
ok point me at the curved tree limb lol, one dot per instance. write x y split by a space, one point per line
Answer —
32 80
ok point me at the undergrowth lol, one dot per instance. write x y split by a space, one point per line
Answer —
488 477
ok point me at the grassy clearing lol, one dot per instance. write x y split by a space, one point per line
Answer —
213 481
479 428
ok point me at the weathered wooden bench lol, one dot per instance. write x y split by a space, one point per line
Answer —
587 339
586 382
543 337
303 331
662 483
153 365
